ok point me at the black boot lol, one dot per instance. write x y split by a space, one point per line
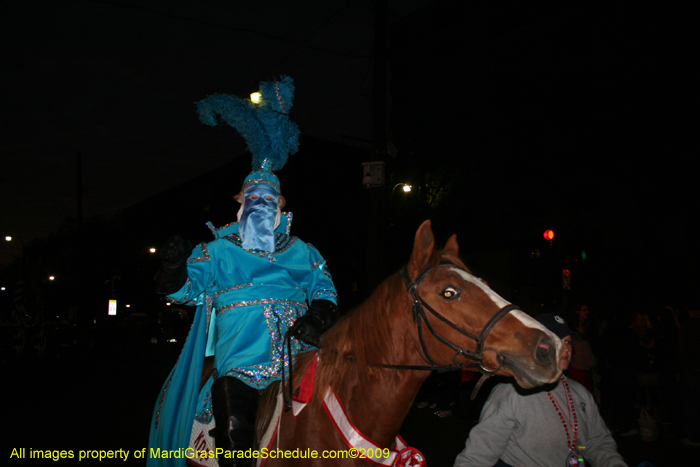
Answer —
235 405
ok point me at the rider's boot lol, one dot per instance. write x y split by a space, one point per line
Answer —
234 405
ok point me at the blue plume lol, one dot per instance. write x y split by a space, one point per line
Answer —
266 126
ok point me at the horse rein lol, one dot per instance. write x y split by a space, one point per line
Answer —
419 315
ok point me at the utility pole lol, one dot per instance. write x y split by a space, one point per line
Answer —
376 221
79 188
77 273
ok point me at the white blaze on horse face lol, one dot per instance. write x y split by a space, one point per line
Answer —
500 302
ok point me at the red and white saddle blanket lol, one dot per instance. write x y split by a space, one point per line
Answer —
401 456
203 447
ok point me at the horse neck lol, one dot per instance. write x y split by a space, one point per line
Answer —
378 403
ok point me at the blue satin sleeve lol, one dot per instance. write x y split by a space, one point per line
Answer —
319 282
200 273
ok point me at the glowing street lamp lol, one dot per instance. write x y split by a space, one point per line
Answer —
404 186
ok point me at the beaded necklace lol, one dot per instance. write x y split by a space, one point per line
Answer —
561 415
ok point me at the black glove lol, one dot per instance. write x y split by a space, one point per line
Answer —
321 315
173 270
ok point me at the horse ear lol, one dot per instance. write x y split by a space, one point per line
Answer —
423 247
451 246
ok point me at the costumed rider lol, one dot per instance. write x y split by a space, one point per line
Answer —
252 284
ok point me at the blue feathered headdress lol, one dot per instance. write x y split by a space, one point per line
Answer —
266 127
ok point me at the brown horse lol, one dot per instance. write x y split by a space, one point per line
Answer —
375 357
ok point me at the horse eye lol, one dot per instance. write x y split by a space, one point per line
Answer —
450 293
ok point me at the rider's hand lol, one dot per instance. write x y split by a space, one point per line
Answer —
307 328
173 269
175 250
321 315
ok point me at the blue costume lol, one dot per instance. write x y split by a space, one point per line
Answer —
251 285
246 302
252 298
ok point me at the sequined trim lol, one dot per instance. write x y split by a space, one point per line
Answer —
258 376
289 217
279 317
185 299
283 243
205 415
161 399
242 286
321 263
261 181
325 293
317 264
261 301
199 259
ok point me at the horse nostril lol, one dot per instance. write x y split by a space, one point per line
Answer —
543 351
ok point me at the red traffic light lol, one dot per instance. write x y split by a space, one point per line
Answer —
549 235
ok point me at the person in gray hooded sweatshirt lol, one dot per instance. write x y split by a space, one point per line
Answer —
554 425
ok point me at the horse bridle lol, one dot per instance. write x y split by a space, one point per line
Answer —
419 316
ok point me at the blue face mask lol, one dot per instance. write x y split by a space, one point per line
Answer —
258 218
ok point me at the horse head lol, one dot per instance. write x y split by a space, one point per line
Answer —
469 322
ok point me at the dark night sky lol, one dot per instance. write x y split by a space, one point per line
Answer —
117 81
584 114
581 117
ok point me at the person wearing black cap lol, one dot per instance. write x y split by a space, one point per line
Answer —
558 424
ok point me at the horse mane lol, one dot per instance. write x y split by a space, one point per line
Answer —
361 339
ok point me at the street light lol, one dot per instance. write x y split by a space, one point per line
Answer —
11 239
405 187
